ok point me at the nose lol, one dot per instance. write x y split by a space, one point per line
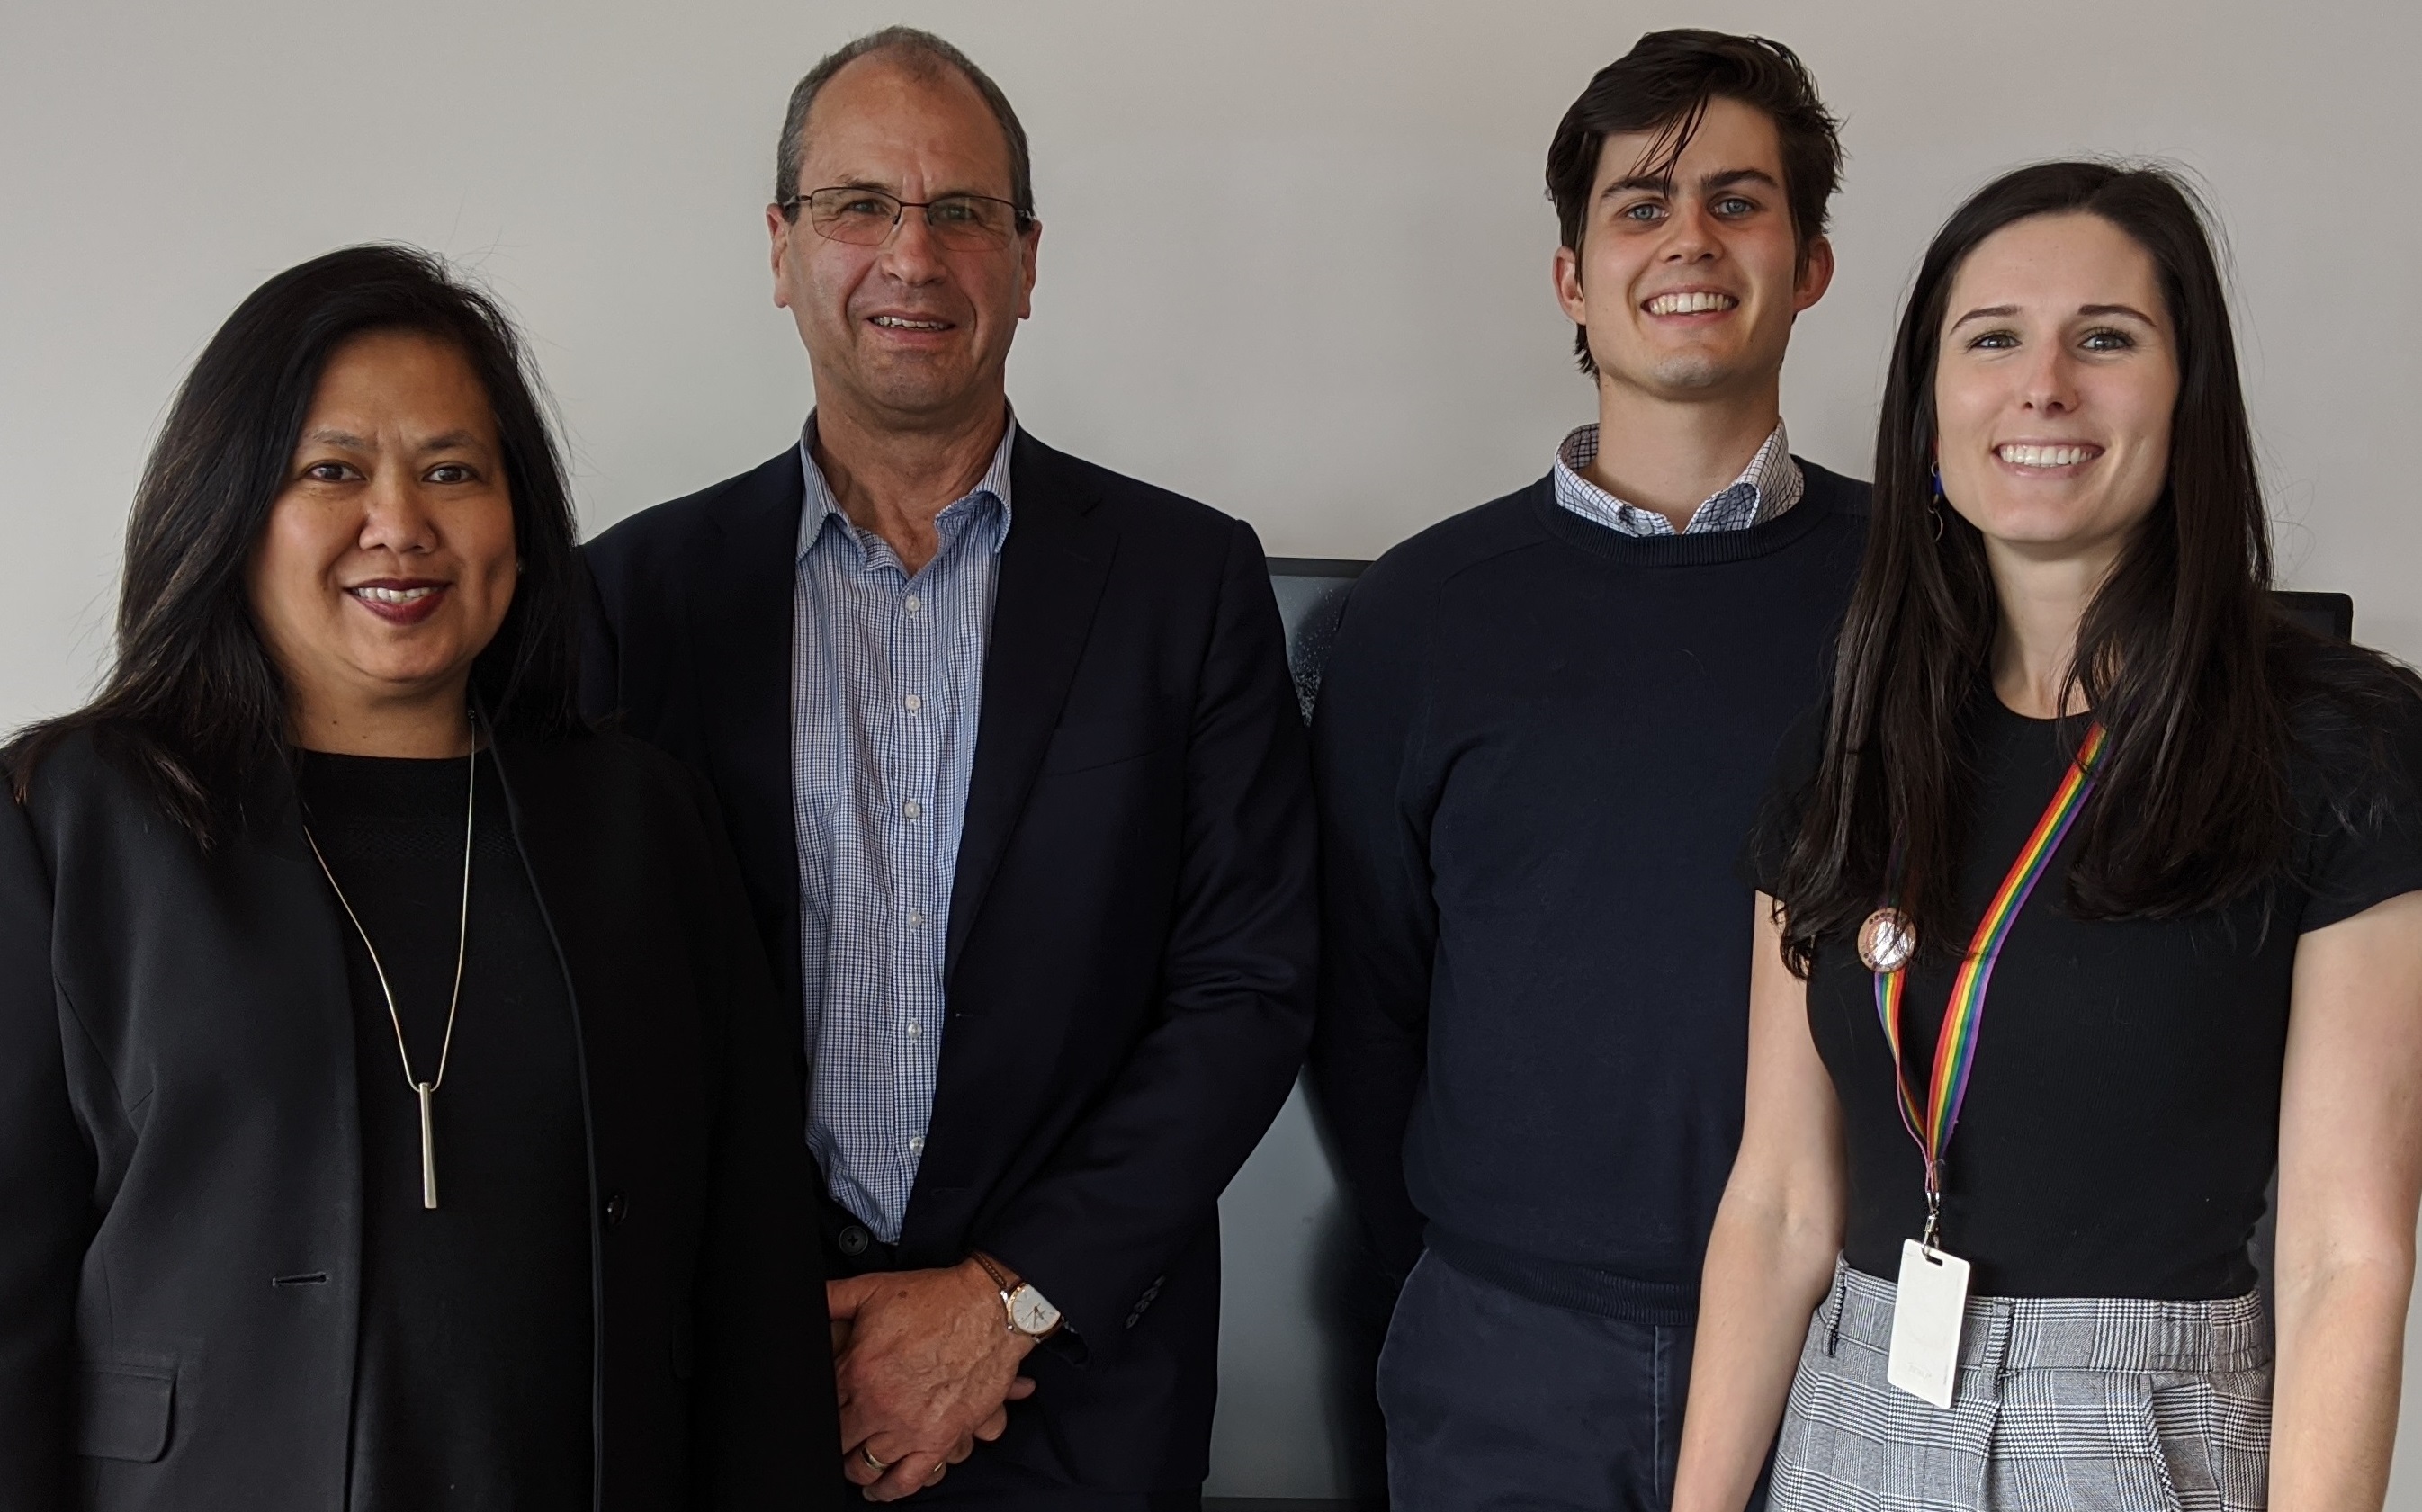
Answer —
2048 385
1691 233
395 517
910 254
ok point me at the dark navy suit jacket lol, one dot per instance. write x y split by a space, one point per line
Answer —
1130 955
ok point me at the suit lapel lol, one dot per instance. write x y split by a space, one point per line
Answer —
1053 567
742 624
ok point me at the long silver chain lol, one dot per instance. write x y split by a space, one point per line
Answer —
425 1091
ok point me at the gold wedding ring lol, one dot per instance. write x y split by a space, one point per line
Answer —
872 1463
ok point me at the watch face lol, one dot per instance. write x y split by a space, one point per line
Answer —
1030 1313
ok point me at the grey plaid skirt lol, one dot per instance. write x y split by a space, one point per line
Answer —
2082 1405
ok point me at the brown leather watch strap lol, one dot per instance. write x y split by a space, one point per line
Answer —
1000 1273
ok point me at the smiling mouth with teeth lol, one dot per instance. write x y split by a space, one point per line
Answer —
2022 455
895 322
1703 302
376 595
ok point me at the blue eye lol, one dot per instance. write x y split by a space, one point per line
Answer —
1732 205
1647 210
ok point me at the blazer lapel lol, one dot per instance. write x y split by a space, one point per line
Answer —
1053 567
742 624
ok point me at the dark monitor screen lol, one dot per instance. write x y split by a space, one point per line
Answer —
2323 613
1311 598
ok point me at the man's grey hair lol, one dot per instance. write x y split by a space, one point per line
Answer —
922 53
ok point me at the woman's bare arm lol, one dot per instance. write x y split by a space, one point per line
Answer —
1770 1256
2350 1174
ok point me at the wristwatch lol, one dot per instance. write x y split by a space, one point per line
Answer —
1027 1310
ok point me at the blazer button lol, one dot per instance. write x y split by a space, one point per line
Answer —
616 1209
854 1240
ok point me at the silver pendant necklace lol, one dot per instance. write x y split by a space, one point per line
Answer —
425 1091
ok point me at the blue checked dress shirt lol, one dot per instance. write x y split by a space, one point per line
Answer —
1770 484
887 677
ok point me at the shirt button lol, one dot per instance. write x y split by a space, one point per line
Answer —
916 1143
916 918
914 703
912 808
915 603
913 1032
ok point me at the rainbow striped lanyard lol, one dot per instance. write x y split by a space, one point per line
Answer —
1955 1049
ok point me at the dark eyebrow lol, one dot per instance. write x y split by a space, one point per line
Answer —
1708 184
1730 176
1991 312
329 437
450 440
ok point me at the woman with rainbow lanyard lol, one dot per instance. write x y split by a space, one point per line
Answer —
2093 891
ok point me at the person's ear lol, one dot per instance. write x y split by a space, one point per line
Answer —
1816 274
777 230
1029 247
1565 272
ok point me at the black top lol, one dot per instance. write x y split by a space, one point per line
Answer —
472 1381
2122 1115
1537 746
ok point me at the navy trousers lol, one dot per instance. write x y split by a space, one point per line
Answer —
1496 1403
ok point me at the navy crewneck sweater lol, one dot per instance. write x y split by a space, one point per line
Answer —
1540 745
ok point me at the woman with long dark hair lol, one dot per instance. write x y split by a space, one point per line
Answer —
394 1108
2094 889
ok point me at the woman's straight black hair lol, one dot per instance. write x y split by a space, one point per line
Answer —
2181 653
193 706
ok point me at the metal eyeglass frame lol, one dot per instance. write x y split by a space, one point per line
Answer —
790 208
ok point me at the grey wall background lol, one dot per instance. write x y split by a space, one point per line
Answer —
1295 259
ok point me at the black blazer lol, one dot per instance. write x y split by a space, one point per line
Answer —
1131 940
178 1126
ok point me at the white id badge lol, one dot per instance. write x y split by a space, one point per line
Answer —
1927 1308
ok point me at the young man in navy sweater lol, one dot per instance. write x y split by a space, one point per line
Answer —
1542 737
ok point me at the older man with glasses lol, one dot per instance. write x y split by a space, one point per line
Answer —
1008 748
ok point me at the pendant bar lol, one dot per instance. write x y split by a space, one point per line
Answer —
427 1149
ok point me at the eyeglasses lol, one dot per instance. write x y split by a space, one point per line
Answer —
866 217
